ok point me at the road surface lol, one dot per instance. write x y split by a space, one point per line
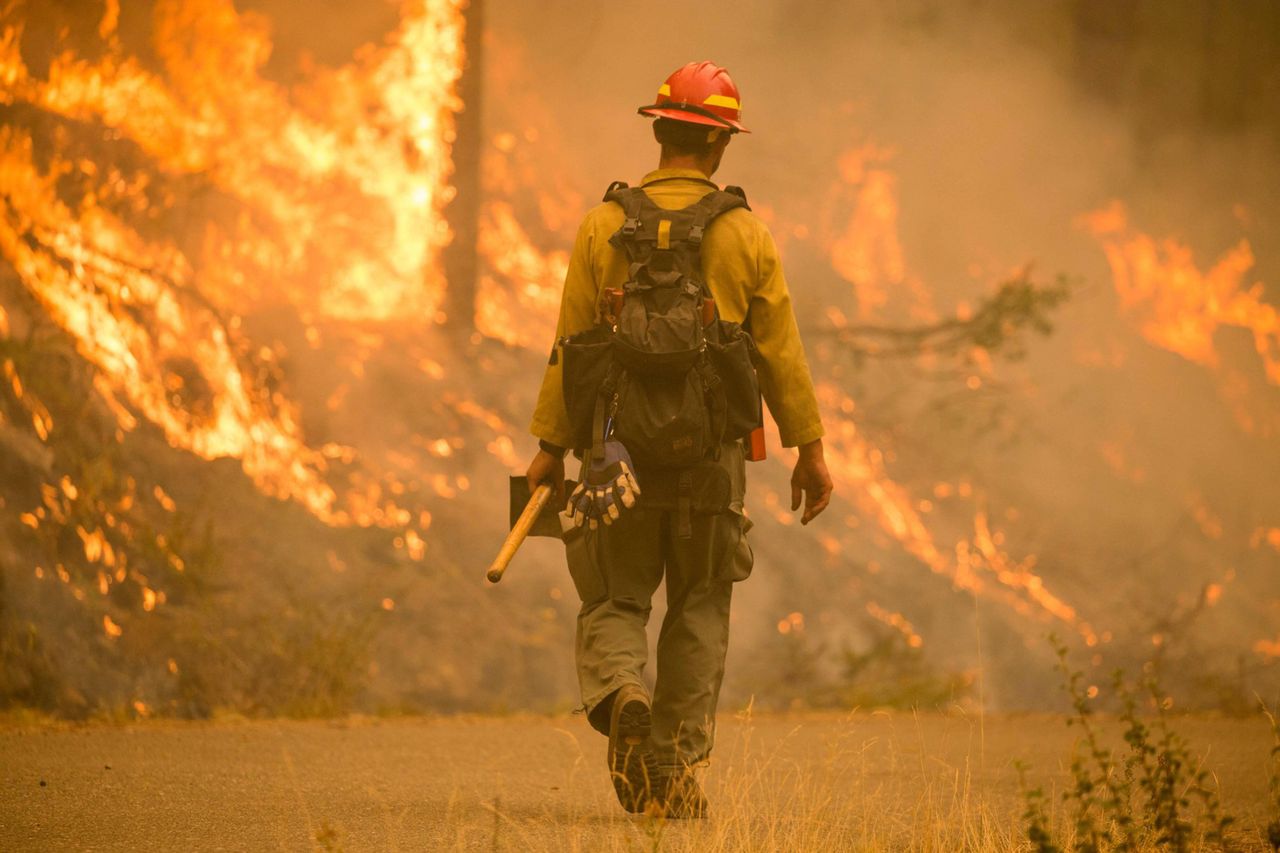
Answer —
823 782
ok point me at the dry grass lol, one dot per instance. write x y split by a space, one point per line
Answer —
873 782
820 782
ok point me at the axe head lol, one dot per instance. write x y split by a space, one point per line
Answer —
547 522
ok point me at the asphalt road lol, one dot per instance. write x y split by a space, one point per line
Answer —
875 781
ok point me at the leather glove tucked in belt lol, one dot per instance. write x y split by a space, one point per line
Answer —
608 486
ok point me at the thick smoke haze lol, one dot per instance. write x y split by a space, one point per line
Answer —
1113 482
999 138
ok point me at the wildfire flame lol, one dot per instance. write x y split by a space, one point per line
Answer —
523 312
858 468
89 273
868 251
1181 308
341 183
896 621
530 213
337 189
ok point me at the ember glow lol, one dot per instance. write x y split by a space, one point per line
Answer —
896 621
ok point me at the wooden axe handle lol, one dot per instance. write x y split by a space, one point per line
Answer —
516 537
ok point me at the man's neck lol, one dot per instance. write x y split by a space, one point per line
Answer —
698 164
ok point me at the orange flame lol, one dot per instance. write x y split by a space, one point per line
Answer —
896 621
859 470
522 313
90 267
1269 649
1179 307
218 117
530 213
342 183
868 251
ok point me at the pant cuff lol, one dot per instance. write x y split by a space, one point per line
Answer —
594 701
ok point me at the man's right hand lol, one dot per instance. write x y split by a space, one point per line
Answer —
548 468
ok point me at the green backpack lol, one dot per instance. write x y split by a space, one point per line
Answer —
661 372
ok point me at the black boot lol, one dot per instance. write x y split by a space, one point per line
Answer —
633 764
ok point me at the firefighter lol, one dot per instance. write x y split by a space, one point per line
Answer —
616 566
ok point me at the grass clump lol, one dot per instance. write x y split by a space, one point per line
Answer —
1273 827
1154 793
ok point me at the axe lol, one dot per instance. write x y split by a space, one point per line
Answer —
531 515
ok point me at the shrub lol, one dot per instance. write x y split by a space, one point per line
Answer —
1155 793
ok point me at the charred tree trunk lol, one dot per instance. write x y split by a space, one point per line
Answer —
460 260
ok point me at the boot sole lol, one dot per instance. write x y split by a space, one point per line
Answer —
635 720
632 762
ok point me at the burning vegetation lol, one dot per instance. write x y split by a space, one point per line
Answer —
247 461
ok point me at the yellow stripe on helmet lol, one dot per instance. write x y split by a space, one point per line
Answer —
664 89
722 101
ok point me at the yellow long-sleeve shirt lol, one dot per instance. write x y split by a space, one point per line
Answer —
744 273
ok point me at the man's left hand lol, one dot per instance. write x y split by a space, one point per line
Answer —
812 480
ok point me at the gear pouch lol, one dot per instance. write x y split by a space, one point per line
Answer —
663 423
734 361
588 358
584 567
739 558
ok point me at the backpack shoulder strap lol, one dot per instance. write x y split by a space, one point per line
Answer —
636 208
631 200
613 188
711 205
635 204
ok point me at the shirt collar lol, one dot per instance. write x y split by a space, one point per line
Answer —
664 174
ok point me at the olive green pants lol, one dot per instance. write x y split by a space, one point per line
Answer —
617 569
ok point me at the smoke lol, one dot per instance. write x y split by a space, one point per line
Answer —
1125 473
1105 486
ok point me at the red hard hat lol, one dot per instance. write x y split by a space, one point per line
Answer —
699 93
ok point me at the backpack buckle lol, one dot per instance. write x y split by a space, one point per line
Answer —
630 226
695 234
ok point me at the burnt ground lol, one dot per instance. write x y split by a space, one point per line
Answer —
865 781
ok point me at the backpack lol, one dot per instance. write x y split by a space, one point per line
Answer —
661 372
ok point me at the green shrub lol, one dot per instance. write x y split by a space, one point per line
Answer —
1156 793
